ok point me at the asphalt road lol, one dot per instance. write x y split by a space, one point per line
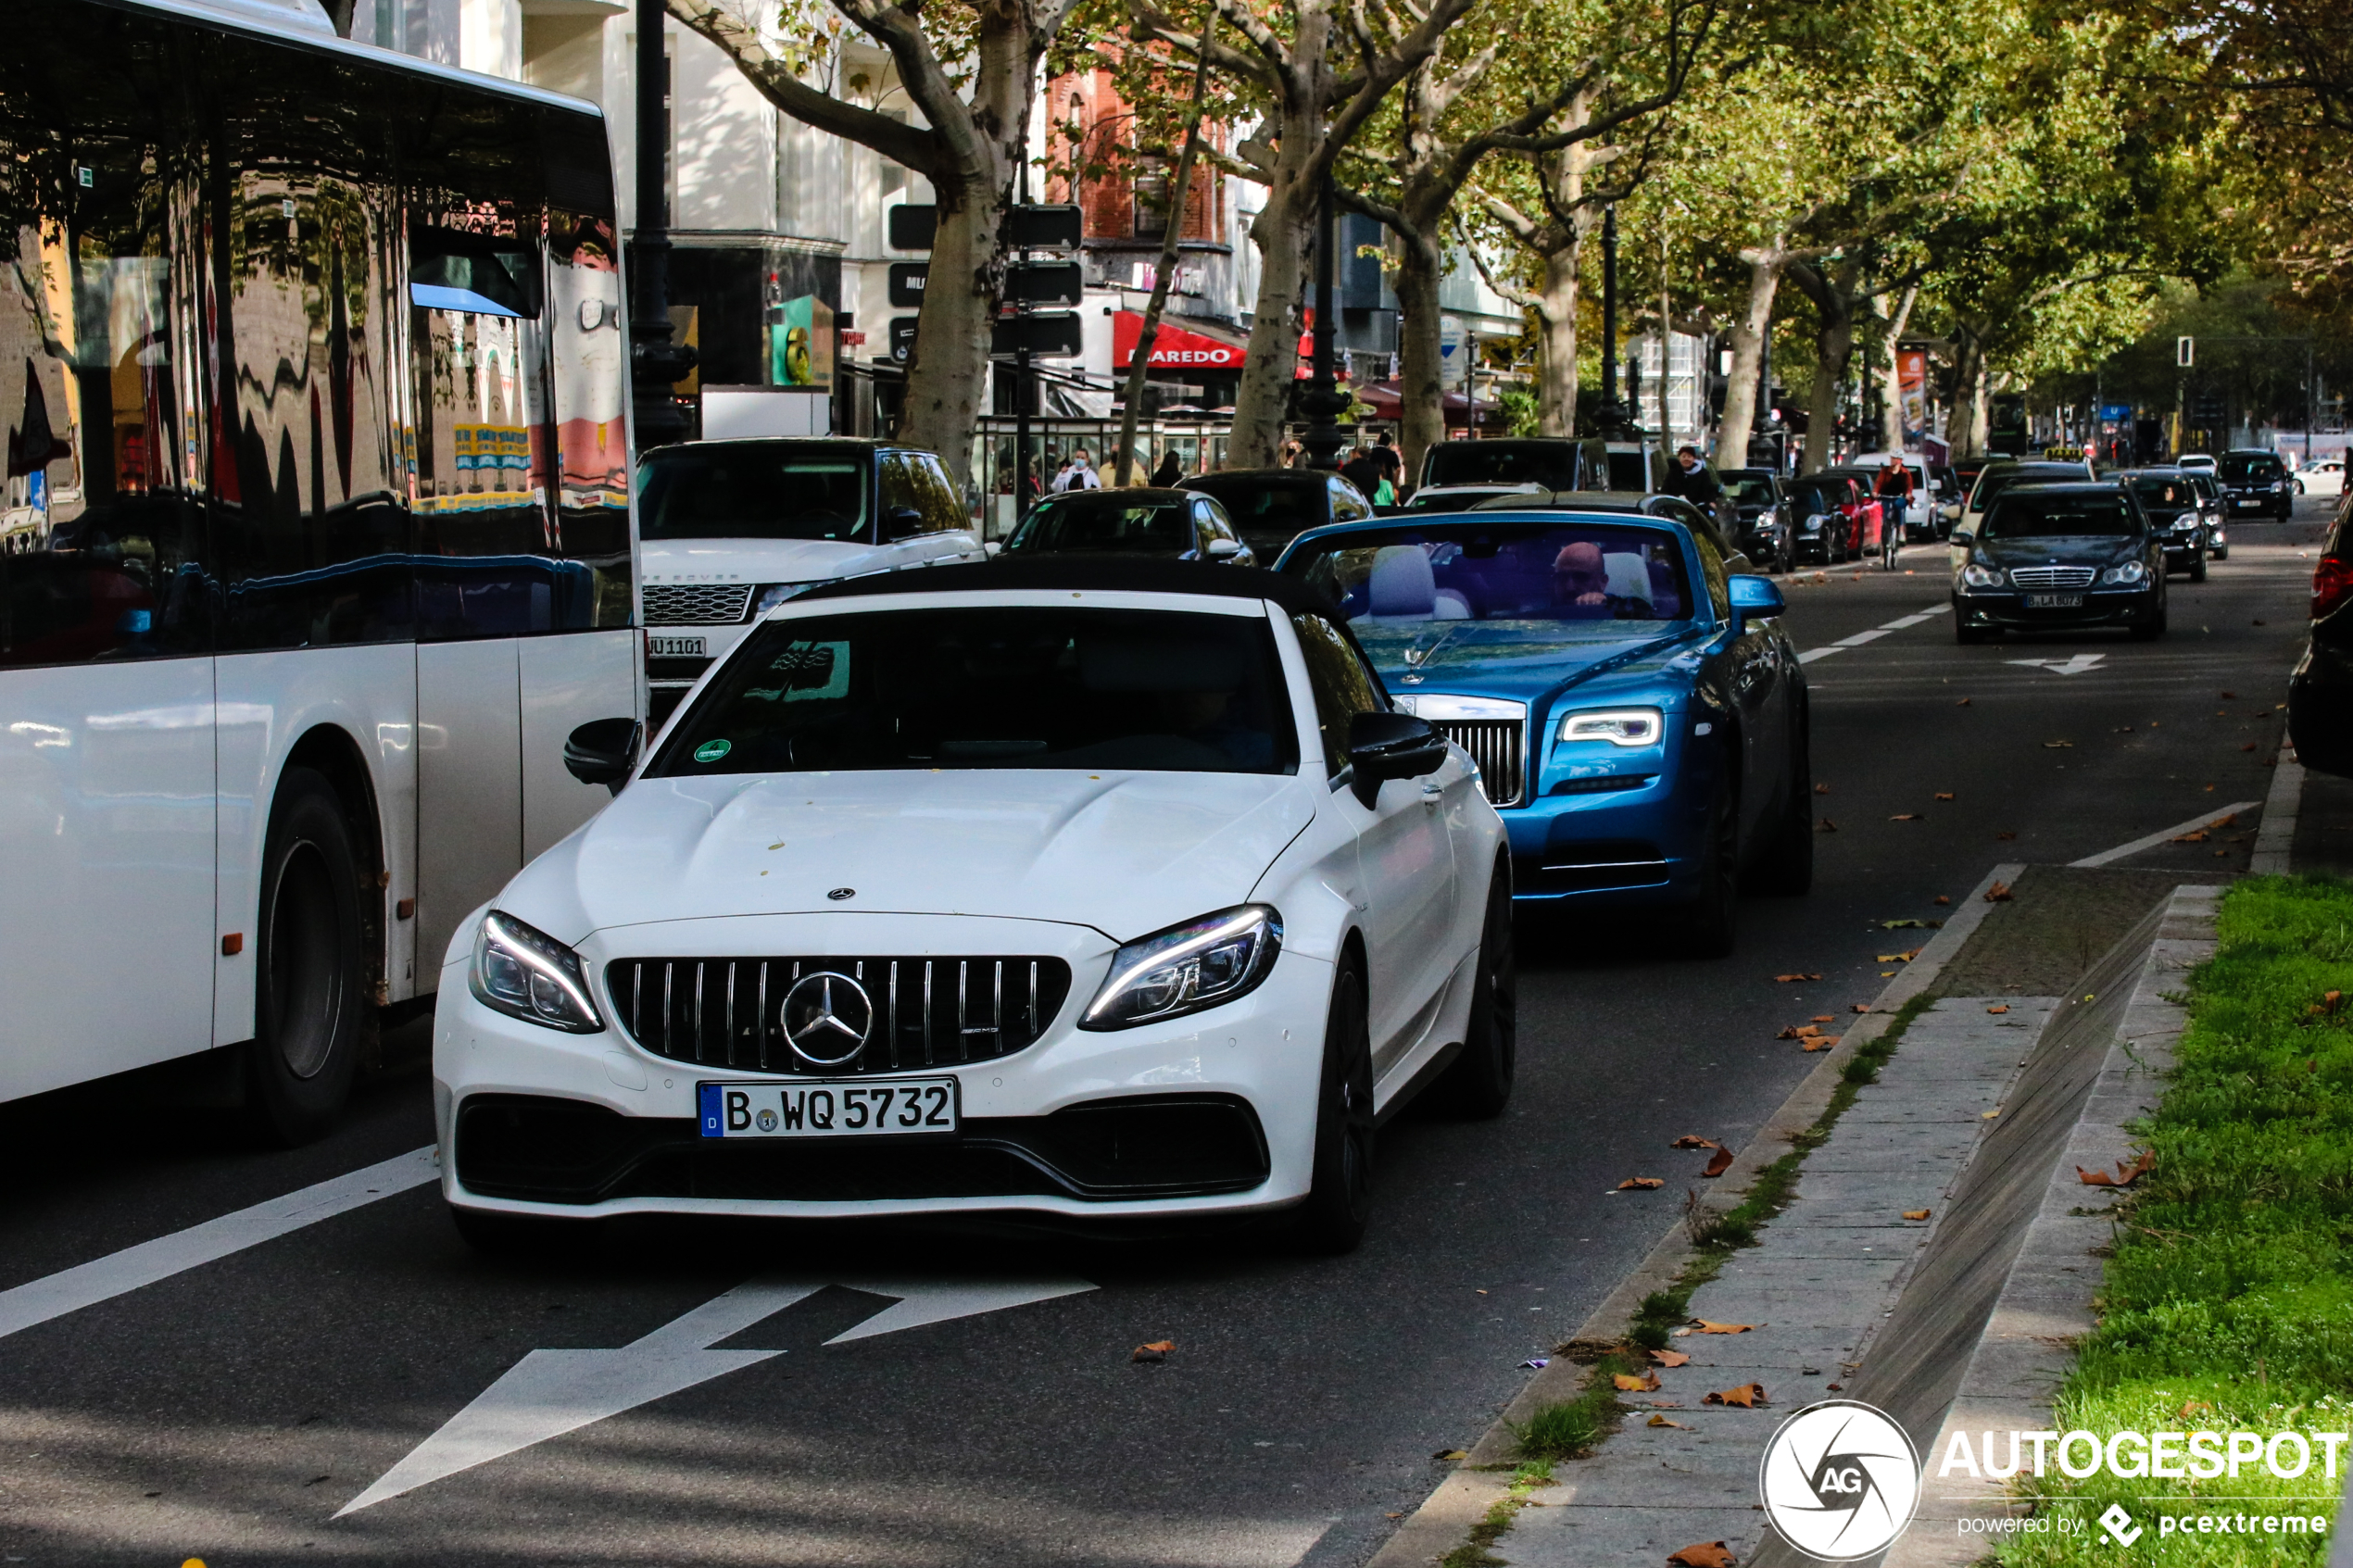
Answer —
228 1411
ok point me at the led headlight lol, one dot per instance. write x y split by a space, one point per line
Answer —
774 595
1981 576
1203 963
1619 726
2128 572
529 974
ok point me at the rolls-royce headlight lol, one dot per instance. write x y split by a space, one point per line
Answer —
1981 576
528 974
2125 572
1203 963
1619 726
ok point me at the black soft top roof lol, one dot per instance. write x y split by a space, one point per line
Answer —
1123 574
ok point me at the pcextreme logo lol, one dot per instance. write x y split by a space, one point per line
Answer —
1840 1480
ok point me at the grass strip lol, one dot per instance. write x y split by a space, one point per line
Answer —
2227 1302
1571 1428
1476 1552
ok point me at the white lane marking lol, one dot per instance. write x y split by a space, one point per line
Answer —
1859 638
1810 655
1909 621
2075 666
120 1273
2161 836
549 1393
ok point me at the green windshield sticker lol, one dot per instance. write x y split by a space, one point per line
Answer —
711 751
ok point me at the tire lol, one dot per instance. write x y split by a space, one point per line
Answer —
1710 921
2154 627
1339 1196
1477 1085
2221 552
311 1016
1787 869
2197 566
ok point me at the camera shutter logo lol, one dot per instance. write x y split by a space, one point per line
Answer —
826 1018
1840 1480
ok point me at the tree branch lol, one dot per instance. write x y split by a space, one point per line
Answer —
914 147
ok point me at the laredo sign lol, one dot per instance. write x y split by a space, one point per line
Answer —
1173 348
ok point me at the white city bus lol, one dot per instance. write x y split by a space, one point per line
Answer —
315 540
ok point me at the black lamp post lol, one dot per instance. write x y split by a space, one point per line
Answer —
1323 402
655 362
1611 417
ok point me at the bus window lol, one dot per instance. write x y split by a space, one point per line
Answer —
591 429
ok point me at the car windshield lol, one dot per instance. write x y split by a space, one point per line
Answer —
1451 500
1807 500
2060 514
1102 520
995 686
756 490
1992 482
1550 464
1267 505
1749 489
1491 572
2164 492
2241 468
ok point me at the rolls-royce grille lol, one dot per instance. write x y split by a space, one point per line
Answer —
2052 576
885 1014
1494 745
696 604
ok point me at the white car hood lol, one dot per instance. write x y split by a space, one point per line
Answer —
755 560
1124 853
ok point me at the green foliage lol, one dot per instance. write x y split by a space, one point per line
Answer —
2231 1285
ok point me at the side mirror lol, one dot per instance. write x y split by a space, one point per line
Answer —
1392 745
1754 598
1964 536
602 751
994 548
901 523
1223 549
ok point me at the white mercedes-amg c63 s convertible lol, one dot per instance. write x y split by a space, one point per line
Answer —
1085 890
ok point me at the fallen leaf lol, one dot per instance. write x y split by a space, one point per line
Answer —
2197 837
1748 1396
2004 1007
1627 1383
1821 789
1826 825
1835 1387
1892 958
1911 924
2000 892
1703 1554
1641 1182
1156 1351
1818 1042
1942 899
2058 745
1945 795
1662 1421
1692 1140
2230 697
1720 1164
1963 703
1791 979
1669 1358
2219 823
2127 1171
2249 746
1450 1454
1823 1017
1908 817
1916 1213
2005 835
1861 1007
1704 1326
1798 1032
2190 1408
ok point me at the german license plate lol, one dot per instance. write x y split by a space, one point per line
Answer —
677 647
826 1109
2055 601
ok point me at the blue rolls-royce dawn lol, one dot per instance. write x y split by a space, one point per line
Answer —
1637 713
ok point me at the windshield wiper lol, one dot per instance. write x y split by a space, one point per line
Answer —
1418 658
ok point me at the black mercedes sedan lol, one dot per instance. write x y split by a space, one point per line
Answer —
2059 557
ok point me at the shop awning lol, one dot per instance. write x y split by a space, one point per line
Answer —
1197 347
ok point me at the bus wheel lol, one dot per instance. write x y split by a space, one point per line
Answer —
309 1011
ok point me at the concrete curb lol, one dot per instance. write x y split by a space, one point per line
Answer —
2027 1347
2276 837
1449 1514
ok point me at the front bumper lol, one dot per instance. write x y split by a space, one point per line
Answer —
2101 606
1209 1114
1621 847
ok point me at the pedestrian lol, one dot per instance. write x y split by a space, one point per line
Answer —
1692 479
1292 452
1170 471
1361 471
1385 457
1076 475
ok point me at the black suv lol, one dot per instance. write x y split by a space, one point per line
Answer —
2255 482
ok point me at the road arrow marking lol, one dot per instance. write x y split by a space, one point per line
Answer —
549 1393
2075 666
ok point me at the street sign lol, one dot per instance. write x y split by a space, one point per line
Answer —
903 337
912 227
907 282
2116 413
2185 351
1049 334
1042 227
1044 283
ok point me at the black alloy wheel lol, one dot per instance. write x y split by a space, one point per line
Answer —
310 1015
2198 565
1477 1083
1710 921
1339 1196
2153 627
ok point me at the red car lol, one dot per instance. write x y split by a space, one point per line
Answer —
1869 535
1831 519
